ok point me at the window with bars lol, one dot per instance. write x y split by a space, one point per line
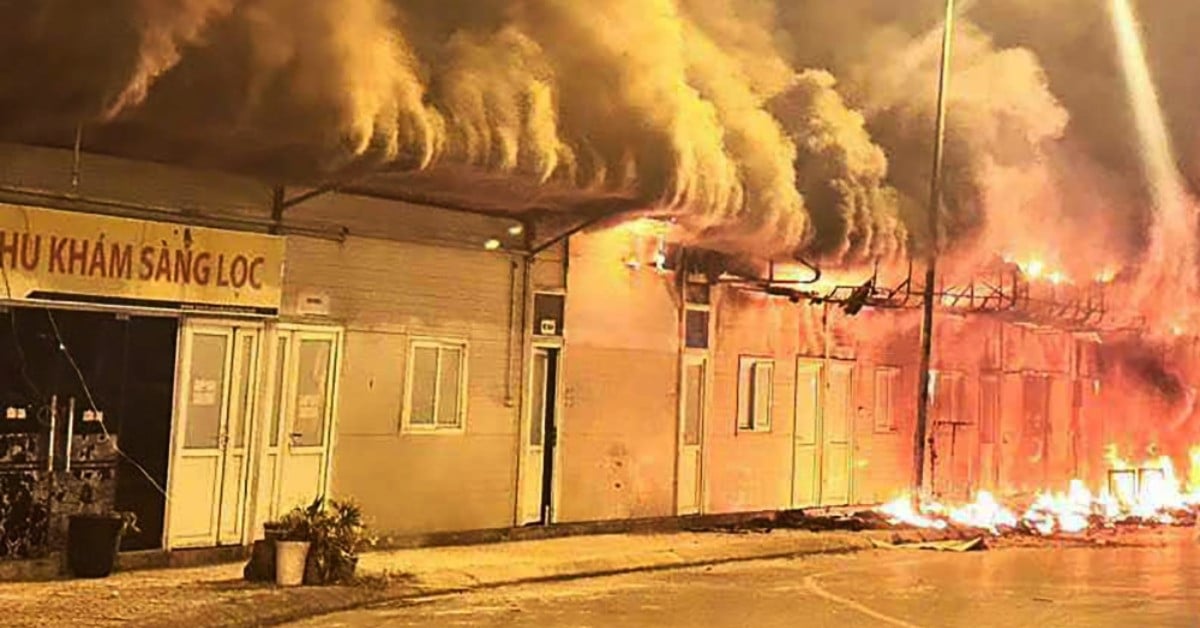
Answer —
436 386
755 394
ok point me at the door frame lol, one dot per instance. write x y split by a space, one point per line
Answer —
526 429
183 355
852 376
989 464
803 363
964 433
266 404
692 358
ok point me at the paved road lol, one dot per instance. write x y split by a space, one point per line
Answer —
1045 588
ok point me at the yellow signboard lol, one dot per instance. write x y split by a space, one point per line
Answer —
57 255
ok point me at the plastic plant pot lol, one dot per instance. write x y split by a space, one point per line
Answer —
92 543
290 559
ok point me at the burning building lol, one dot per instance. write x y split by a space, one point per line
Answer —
557 263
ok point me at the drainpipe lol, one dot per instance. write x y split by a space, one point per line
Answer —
523 337
920 434
512 333
277 208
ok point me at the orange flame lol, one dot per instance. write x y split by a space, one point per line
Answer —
1150 492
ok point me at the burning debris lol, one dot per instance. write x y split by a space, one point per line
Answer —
1146 495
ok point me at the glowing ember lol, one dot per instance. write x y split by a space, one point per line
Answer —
1106 276
1149 493
901 511
1194 471
985 513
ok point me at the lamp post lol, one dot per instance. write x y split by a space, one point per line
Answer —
920 434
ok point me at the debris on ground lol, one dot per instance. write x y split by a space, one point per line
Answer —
970 545
808 521
1129 532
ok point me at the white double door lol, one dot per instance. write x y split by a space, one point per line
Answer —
217 402
822 449
297 443
228 463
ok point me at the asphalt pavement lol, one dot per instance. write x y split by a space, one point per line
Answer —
1044 587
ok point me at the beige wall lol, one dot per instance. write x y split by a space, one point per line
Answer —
753 471
173 189
620 379
750 471
385 293
883 459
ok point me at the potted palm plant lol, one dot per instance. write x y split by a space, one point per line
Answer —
320 543
339 538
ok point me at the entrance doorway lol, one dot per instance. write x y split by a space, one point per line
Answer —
821 439
218 388
117 370
955 438
836 433
297 447
805 454
1033 454
989 432
693 405
537 476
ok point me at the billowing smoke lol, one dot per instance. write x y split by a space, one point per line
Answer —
1154 396
1146 365
841 171
168 27
498 93
669 102
759 125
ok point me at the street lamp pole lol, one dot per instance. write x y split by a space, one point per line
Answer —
920 434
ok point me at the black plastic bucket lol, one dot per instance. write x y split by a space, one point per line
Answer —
92 543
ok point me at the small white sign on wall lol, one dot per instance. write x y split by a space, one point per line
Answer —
312 304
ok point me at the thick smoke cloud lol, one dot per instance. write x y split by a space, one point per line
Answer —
760 125
840 167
